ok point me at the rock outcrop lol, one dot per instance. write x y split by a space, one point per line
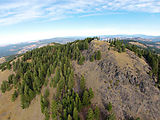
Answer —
123 80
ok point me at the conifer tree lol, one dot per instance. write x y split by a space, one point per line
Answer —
98 55
75 114
14 95
69 117
90 115
85 98
82 83
65 114
97 113
91 94
92 58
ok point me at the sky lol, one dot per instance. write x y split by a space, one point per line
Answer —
29 20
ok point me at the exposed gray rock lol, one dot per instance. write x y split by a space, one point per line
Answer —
130 89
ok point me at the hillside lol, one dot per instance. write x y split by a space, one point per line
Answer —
123 80
20 48
88 79
12 110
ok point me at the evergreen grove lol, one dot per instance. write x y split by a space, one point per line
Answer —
30 77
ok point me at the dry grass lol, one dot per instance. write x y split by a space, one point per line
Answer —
98 42
12 110
122 59
100 79
2 60
51 44
29 61
91 72
138 44
4 75
52 91
150 45
17 59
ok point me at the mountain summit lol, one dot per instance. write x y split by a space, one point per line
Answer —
85 79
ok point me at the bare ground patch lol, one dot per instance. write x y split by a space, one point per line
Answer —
122 79
138 44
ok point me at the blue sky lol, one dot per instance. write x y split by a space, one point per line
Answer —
26 20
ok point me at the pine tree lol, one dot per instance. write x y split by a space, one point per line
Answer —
85 98
14 95
92 58
4 86
57 76
69 117
119 49
75 114
81 60
82 83
109 107
54 109
91 94
70 82
97 113
86 44
46 113
48 73
65 114
46 93
90 115
98 55
123 48
111 117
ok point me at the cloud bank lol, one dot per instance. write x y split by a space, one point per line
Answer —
17 11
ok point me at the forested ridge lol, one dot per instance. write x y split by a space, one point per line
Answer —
151 57
30 77
51 66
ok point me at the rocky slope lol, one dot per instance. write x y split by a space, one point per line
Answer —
123 80
119 78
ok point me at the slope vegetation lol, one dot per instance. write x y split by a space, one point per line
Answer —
12 110
87 80
123 80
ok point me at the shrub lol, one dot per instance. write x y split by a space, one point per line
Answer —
109 106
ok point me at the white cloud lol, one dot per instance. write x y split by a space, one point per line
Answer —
15 11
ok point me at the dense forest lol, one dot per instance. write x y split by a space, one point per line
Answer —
51 66
31 77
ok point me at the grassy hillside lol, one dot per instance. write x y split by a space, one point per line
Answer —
66 81
21 48
120 78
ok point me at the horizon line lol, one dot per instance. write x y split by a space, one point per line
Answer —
31 41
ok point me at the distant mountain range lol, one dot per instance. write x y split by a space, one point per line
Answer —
26 46
147 37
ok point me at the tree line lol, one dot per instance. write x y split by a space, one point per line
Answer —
151 57
29 78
